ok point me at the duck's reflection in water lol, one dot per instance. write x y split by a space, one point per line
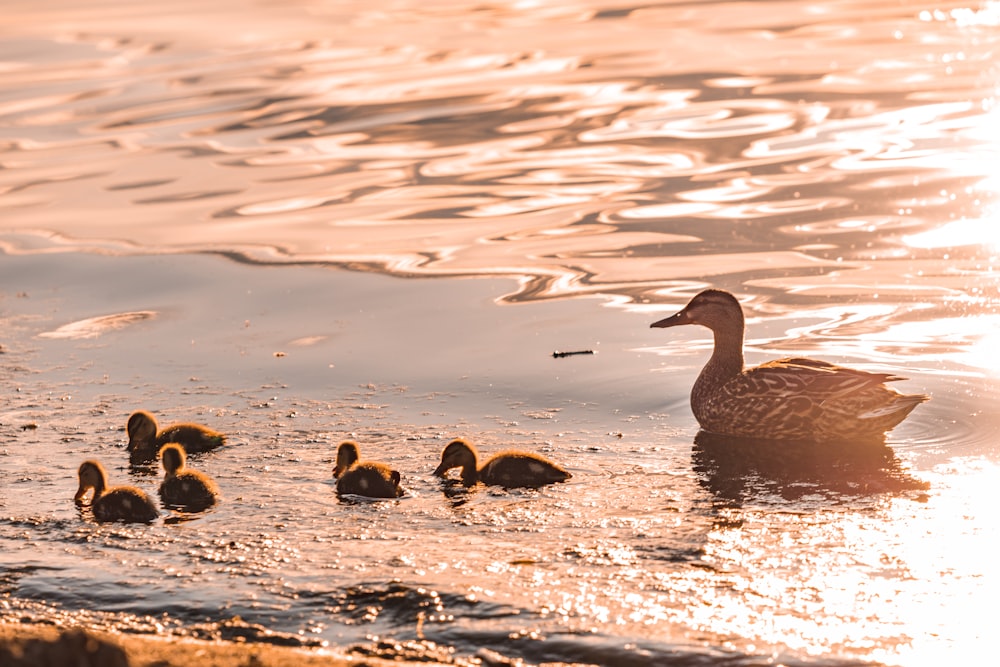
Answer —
456 493
735 470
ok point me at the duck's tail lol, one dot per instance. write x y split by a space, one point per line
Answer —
895 410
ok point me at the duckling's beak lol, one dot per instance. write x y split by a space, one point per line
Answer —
674 320
78 498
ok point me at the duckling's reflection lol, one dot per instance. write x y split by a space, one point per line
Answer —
737 469
182 517
144 469
456 492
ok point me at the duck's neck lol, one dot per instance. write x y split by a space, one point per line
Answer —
470 472
725 364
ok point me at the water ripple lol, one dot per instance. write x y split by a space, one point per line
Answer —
314 140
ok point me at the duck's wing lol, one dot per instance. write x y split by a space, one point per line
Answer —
799 376
806 399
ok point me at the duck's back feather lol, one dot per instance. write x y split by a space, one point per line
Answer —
799 398
521 469
370 479
124 503
195 438
188 490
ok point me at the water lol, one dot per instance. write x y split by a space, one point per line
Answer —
219 213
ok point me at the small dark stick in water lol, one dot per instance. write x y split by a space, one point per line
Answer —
560 355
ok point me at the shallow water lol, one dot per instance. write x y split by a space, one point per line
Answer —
219 214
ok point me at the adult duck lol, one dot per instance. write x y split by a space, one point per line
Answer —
364 478
183 488
118 503
145 439
787 399
510 469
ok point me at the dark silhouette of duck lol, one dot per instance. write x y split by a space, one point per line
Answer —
183 488
145 441
364 478
127 504
788 399
510 469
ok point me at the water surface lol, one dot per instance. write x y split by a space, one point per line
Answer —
219 213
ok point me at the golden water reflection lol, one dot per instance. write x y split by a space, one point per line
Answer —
907 580
983 232
708 143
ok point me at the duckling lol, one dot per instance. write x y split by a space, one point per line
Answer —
183 488
787 399
119 503
509 469
144 440
364 478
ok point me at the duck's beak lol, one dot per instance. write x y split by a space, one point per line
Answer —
338 470
131 445
674 320
442 469
80 493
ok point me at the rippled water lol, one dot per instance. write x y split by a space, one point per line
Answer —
215 211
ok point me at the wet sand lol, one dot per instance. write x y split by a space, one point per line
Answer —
27 644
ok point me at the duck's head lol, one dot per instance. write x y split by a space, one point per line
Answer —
347 455
173 458
141 429
92 476
713 308
458 454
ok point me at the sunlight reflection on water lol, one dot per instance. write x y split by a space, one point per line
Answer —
313 146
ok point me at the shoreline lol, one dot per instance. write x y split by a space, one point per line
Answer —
23 644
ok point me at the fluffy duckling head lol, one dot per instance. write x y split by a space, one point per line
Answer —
141 429
92 476
458 454
173 458
347 455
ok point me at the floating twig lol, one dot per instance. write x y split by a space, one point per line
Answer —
560 355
